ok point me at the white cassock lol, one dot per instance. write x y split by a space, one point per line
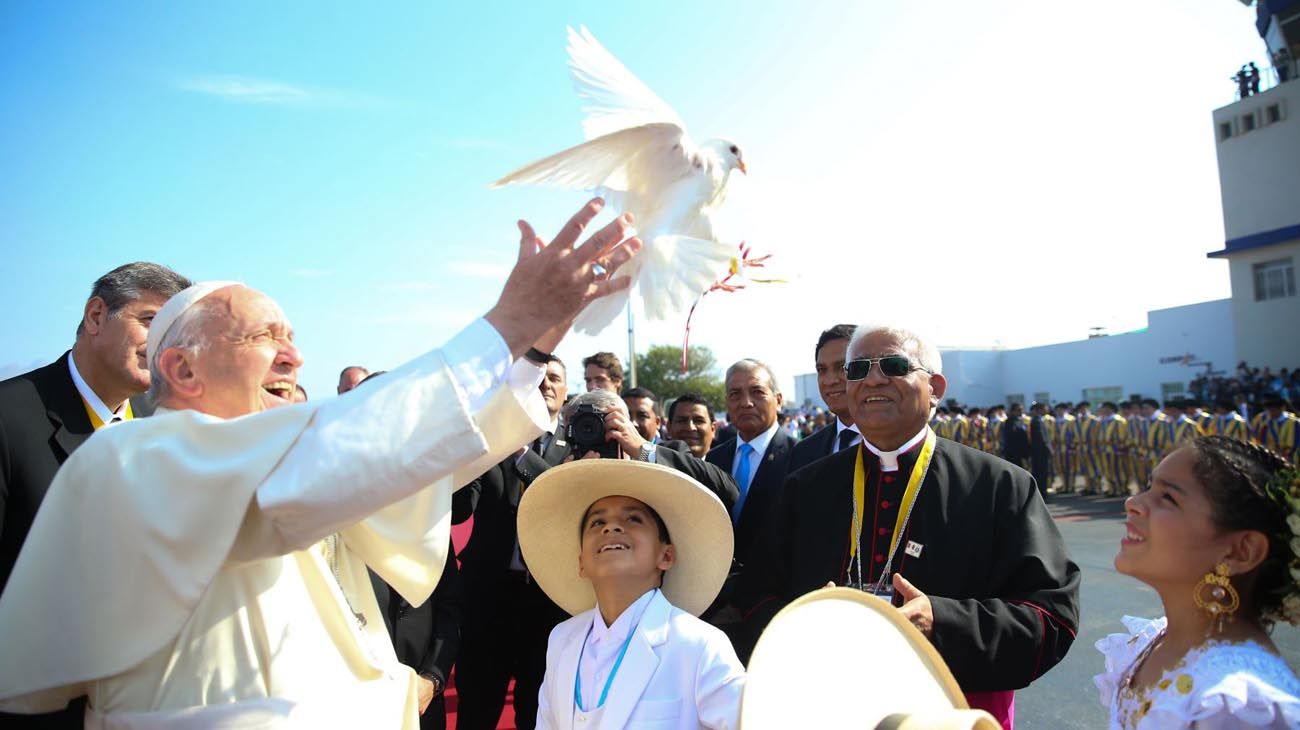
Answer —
174 572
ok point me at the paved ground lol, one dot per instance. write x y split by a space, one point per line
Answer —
1066 696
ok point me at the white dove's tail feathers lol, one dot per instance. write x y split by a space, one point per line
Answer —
616 98
671 272
678 269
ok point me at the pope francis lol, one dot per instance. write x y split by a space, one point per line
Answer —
206 567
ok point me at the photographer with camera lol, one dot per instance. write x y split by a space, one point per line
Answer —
598 422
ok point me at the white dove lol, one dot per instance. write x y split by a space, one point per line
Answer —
639 158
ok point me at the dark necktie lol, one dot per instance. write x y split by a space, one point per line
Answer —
538 447
847 437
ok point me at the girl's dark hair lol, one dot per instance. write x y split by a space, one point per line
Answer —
1236 476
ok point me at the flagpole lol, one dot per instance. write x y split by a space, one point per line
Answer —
631 347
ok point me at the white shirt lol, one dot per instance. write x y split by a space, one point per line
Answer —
92 399
603 646
840 428
889 459
759 444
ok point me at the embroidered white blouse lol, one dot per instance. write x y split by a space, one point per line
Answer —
1219 684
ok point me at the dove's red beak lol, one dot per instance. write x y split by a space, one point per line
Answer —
741 164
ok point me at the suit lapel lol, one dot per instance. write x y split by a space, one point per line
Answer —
566 669
724 456
66 410
557 450
639 665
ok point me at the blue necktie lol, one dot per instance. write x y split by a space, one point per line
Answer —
742 479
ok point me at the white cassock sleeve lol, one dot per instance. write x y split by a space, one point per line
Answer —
380 462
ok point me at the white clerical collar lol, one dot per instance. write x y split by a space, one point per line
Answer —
889 459
618 630
94 401
760 441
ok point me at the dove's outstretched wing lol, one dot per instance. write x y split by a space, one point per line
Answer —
648 156
616 98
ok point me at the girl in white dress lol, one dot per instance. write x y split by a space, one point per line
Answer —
1217 535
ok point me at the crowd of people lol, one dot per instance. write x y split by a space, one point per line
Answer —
246 556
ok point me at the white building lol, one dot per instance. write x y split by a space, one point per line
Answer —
1258 144
1156 362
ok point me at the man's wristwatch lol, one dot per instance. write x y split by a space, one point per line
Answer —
537 357
437 683
647 449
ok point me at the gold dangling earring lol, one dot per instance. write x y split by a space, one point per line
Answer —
1221 601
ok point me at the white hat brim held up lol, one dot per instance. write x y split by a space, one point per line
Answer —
838 657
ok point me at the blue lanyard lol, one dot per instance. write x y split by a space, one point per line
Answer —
577 680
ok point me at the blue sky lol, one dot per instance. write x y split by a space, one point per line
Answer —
986 172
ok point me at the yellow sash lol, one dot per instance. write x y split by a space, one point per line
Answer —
97 422
909 495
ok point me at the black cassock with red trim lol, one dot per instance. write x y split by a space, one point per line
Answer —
979 542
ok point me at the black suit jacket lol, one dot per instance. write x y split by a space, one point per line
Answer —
816 446
763 487
1003 589
42 421
426 637
493 500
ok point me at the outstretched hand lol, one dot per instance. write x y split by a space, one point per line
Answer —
552 283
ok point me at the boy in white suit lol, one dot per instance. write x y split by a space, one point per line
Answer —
653 549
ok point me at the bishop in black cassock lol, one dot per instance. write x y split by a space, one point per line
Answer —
979 547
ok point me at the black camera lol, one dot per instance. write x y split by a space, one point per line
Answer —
586 432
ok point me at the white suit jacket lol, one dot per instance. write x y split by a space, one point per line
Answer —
679 672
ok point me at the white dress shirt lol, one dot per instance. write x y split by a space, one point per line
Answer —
603 646
759 445
840 428
92 399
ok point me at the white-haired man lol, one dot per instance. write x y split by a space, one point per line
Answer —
959 539
218 575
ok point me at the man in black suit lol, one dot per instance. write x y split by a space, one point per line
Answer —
507 617
426 637
47 413
841 434
753 400
959 540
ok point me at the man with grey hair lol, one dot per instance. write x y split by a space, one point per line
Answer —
959 540
47 413
218 576
757 458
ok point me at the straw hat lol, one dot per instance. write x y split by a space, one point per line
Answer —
838 657
550 519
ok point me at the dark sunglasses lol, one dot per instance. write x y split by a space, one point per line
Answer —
894 366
